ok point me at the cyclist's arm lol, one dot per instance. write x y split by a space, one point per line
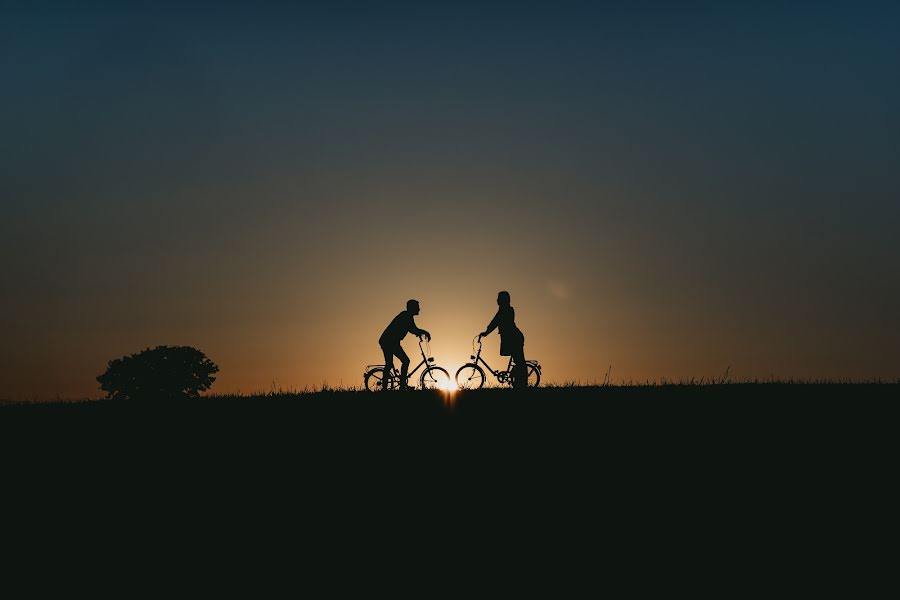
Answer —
492 325
416 331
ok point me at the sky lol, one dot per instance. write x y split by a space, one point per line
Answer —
665 191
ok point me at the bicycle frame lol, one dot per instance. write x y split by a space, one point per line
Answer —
467 372
425 361
477 359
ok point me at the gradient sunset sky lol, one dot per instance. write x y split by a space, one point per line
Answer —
664 188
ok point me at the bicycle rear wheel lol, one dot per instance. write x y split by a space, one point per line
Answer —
469 377
534 374
374 380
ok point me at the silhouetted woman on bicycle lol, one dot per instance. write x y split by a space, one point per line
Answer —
512 340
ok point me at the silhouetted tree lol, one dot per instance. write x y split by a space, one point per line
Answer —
163 373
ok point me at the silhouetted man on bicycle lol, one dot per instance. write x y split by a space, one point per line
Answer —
512 340
390 341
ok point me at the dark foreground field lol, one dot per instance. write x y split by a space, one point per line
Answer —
592 434
667 419
749 481
671 439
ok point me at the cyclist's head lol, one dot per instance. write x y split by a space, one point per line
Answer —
412 306
503 299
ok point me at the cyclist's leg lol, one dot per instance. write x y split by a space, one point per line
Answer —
388 365
404 364
520 373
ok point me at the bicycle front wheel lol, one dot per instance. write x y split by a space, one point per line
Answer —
470 377
435 378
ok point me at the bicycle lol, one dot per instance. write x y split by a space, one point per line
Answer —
432 378
471 377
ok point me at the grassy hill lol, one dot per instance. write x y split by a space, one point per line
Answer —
778 466
656 416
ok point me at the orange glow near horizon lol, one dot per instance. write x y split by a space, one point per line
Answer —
285 335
